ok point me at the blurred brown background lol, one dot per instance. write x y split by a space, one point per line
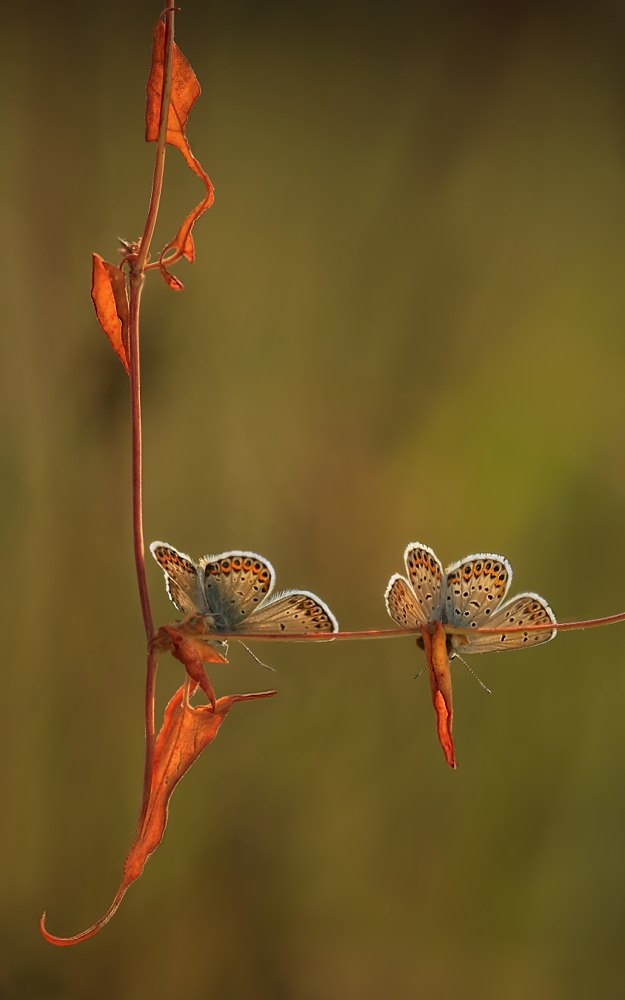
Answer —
405 323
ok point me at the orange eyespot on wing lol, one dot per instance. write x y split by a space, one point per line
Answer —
474 588
425 574
293 612
235 584
402 604
182 578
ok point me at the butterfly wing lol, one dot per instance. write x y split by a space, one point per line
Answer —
182 579
425 574
475 587
526 609
292 612
402 604
235 585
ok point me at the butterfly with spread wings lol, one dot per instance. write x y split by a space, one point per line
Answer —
468 594
233 592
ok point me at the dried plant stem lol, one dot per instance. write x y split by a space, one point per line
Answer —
150 738
136 286
137 277
398 633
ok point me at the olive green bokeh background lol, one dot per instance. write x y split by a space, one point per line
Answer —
405 323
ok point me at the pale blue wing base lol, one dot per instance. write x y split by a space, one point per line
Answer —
525 609
475 587
235 585
182 579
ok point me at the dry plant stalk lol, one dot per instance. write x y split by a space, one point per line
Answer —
116 291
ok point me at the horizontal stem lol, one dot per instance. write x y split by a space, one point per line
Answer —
396 633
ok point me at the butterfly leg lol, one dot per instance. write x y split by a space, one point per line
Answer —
435 646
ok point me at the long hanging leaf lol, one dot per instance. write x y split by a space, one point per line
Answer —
185 733
184 92
435 645
110 299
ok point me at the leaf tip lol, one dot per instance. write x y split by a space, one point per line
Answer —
443 728
171 279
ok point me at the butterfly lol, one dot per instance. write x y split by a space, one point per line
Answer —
233 592
468 594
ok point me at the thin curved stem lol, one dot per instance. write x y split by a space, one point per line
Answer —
397 633
84 935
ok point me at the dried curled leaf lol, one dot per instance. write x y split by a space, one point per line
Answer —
184 92
184 642
185 733
435 646
170 278
110 299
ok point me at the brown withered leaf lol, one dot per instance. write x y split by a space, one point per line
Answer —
184 641
184 92
435 646
171 279
185 733
110 299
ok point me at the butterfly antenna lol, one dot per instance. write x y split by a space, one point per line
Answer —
417 676
481 683
265 665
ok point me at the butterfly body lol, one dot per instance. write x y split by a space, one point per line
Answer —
468 594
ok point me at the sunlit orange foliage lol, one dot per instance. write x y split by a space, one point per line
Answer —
185 91
185 733
435 646
110 298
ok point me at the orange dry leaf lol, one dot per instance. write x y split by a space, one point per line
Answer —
185 733
184 92
183 640
435 646
108 291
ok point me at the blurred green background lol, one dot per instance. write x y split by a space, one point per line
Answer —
405 323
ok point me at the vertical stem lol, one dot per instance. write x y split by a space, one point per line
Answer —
135 288
150 690
185 691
